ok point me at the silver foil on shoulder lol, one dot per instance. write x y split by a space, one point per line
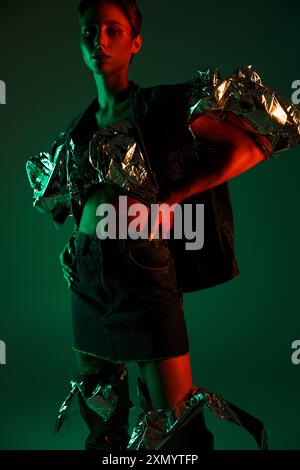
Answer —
244 94
48 177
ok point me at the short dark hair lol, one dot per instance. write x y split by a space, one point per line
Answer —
129 8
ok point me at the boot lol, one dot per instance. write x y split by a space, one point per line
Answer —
193 437
183 427
167 430
104 405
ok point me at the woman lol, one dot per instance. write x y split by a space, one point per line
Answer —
125 293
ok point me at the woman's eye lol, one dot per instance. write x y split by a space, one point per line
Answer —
113 32
88 32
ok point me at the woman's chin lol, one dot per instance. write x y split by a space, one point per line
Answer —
101 69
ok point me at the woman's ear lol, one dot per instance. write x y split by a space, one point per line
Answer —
136 44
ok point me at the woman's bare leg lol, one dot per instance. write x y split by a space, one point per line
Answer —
168 380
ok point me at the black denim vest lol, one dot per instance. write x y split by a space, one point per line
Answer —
161 114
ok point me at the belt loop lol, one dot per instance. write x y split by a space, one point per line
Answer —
122 245
77 241
81 242
85 244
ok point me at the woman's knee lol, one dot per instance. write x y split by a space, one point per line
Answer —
88 364
168 370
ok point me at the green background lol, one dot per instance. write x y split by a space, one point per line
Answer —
241 332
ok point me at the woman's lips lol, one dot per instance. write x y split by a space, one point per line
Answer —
100 57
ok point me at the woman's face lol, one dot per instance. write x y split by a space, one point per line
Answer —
106 39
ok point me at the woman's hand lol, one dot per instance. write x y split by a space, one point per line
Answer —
145 219
67 259
164 217
148 220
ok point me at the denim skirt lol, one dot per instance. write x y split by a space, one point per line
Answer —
125 301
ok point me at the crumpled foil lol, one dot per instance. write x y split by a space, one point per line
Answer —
223 409
155 427
113 156
116 156
102 398
261 109
47 174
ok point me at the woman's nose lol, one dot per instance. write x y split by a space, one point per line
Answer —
101 40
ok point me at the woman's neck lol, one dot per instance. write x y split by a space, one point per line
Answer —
112 91
114 97
120 112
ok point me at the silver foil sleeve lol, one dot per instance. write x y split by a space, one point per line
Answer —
47 174
259 108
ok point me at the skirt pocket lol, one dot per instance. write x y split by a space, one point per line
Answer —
148 268
150 257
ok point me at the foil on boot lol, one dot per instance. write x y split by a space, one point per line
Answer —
155 427
100 397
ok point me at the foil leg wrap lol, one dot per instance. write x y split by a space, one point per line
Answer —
99 392
155 427
223 409
112 434
65 407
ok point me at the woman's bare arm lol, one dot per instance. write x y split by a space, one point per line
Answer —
240 154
